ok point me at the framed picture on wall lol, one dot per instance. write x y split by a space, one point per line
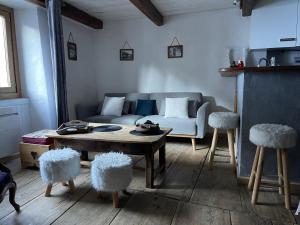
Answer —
126 54
72 51
175 51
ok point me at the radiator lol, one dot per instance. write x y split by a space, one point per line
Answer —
10 130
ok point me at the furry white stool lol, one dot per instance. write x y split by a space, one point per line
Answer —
111 172
227 121
59 165
274 136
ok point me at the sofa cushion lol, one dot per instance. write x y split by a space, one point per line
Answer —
193 96
100 119
126 119
125 110
177 107
145 107
179 125
133 98
112 106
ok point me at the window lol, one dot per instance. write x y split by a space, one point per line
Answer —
9 77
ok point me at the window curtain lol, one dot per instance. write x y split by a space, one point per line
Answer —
58 59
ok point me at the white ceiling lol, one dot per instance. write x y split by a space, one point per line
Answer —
123 9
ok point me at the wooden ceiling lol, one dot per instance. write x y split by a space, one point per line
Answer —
76 14
87 12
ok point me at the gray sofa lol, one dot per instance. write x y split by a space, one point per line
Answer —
193 127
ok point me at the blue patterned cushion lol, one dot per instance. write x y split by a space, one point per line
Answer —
5 179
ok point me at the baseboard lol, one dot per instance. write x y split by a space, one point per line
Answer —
7 159
295 186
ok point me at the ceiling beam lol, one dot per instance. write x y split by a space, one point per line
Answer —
146 7
76 14
247 7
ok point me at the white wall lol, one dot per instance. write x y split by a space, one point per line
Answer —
81 76
36 68
205 37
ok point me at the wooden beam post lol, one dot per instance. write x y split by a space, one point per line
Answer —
76 14
149 10
247 6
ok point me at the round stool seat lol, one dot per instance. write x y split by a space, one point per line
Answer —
111 172
59 165
273 136
223 120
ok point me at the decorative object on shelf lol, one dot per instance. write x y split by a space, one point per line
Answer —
72 48
240 64
175 50
126 54
233 64
273 61
245 56
227 57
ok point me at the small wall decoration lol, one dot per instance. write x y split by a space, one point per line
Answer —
175 51
126 54
72 48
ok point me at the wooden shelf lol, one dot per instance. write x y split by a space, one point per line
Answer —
233 72
230 72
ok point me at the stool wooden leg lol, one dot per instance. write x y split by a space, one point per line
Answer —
194 144
213 148
253 170
279 169
115 197
48 190
99 194
286 182
258 176
231 149
72 186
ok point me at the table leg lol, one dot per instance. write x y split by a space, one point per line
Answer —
149 172
162 158
84 156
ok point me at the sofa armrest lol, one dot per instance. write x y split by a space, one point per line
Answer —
84 111
202 118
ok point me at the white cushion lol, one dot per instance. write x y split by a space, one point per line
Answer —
273 136
112 106
177 107
111 172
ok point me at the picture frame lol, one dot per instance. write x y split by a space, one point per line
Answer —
127 54
72 51
175 51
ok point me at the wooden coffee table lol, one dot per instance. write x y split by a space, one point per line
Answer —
120 141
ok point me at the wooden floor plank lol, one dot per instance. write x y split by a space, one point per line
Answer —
24 194
43 210
182 175
91 210
26 176
147 209
218 187
238 218
29 186
200 215
270 205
